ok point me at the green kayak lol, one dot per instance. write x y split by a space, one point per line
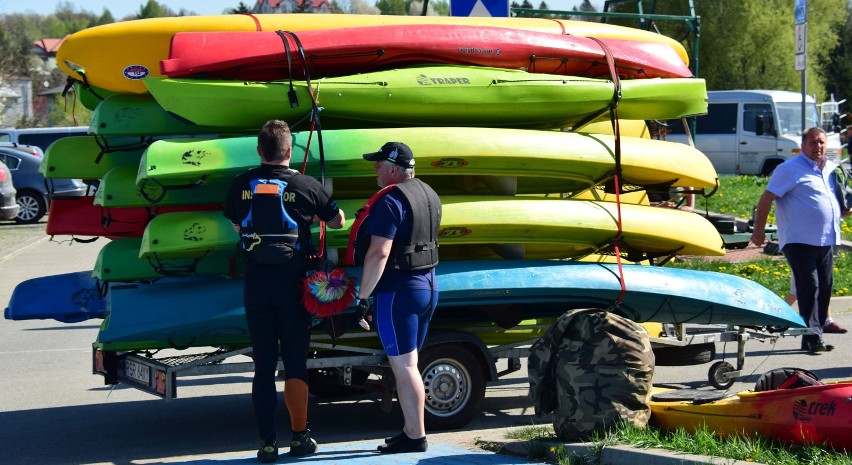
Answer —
140 115
118 189
91 157
119 261
429 96
454 160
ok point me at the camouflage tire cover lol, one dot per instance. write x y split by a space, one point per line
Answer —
592 370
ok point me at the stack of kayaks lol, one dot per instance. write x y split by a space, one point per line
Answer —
509 120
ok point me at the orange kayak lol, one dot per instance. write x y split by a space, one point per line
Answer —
809 415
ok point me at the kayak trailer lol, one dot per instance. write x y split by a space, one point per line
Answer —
456 365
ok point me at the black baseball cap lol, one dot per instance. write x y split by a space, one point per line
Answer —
394 152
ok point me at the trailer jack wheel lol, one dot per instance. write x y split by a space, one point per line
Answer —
721 375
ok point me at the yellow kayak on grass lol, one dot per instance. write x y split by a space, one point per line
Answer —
118 56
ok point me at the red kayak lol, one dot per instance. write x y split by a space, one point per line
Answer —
78 216
819 414
263 56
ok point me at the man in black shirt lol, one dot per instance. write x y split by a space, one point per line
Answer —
272 208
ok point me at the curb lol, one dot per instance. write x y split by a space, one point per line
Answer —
615 455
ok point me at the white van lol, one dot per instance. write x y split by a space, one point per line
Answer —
753 131
40 137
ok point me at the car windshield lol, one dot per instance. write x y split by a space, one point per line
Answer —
790 117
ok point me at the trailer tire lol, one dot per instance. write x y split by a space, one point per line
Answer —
695 354
454 383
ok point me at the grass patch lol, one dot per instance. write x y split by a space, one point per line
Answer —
737 195
701 442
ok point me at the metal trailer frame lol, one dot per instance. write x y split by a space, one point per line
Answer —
462 366
723 374
456 364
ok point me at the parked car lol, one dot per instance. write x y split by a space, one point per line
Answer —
40 137
8 206
33 194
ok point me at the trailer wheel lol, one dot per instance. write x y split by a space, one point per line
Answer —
455 385
717 375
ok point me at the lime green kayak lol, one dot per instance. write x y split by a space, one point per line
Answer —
90 96
553 228
119 260
139 114
429 96
509 161
90 157
118 189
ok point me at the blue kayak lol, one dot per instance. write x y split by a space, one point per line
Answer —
69 298
208 311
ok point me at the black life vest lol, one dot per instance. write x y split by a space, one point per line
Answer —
421 251
268 234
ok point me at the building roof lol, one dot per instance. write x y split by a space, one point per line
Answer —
48 46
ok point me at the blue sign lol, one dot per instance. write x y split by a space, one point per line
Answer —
801 11
495 8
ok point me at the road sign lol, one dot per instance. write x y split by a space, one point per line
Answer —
801 11
801 45
495 8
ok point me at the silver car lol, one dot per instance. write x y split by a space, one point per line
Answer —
8 206
33 190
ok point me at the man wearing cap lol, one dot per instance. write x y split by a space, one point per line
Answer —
400 252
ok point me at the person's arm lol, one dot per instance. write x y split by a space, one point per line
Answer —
374 265
338 222
689 205
758 236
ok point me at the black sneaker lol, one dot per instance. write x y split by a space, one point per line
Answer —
268 452
405 444
302 444
395 438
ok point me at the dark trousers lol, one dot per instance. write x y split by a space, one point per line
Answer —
278 325
813 270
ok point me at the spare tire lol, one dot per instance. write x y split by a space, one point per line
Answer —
678 356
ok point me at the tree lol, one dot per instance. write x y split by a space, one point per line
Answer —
586 6
837 64
750 44
361 7
392 7
16 45
239 10
152 9
106 18
442 7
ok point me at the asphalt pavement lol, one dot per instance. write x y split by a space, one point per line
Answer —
55 411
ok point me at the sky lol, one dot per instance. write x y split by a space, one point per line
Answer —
123 8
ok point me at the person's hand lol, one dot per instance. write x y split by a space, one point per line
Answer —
363 313
758 238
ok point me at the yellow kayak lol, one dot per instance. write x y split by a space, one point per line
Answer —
118 56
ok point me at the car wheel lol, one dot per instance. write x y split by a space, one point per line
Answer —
33 207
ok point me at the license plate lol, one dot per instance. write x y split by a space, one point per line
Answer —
137 371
